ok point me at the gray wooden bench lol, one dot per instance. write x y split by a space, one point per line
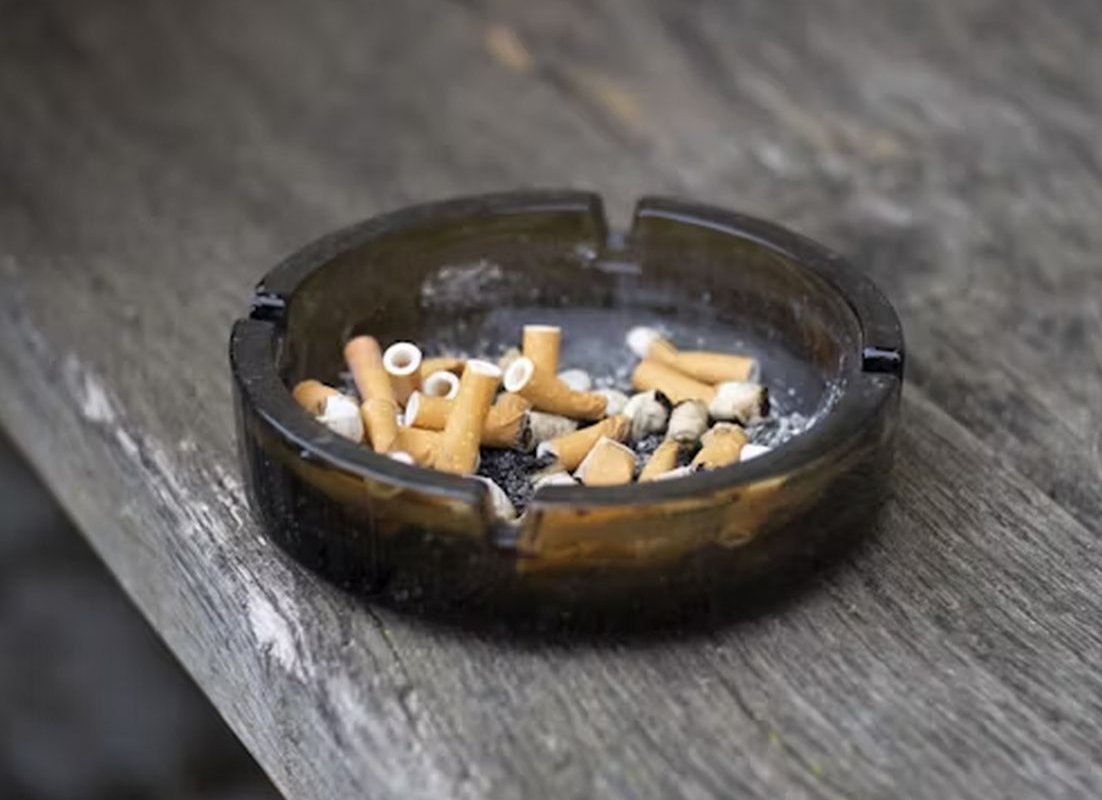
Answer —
156 158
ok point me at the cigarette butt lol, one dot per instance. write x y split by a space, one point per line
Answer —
679 472
649 413
365 361
506 425
440 384
541 343
311 395
499 501
547 393
452 364
675 385
561 478
332 409
706 366
688 421
615 401
421 445
577 379
720 446
569 450
740 400
458 451
609 463
402 362
507 358
545 427
380 419
753 451
426 411
662 460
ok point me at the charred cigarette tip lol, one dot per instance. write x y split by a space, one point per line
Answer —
615 401
499 501
740 400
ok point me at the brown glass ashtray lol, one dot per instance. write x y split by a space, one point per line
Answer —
469 271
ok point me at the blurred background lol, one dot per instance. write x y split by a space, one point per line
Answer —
92 704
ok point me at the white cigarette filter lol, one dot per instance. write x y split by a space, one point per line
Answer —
507 358
661 461
380 419
615 401
541 343
720 446
650 374
704 365
506 425
679 472
402 362
547 393
569 450
688 421
452 364
740 400
463 431
502 505
545 427
365 362
753 451
440 384
577 379
338 412
609 463
649 413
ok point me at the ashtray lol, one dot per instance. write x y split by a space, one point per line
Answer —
463 271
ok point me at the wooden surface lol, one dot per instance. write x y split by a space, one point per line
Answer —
156 158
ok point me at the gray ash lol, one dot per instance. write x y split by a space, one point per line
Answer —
512 471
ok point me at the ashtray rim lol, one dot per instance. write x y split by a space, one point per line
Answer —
871 378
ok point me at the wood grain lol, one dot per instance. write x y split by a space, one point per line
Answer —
156 158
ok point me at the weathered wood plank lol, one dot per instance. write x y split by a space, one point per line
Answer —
155 159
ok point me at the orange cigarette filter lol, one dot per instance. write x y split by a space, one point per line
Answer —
706 366
720 446
365 361
505 427
570 450
428 412
311 395
402 362
661 461
452 364
421 445
650 374
380 418
609 463
547 393
541 343
458 451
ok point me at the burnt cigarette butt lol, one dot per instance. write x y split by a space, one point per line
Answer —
331 408
547 393
545 427
577 379
615 401
688 421
380 419
421 445
426 411
649 413
569 450
365 362
740 400
720 446
402 362
662 460
451 364
463 431
706 366
753 451
440 384
507 358
499 501
507 424
675 385
609 463
541 343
